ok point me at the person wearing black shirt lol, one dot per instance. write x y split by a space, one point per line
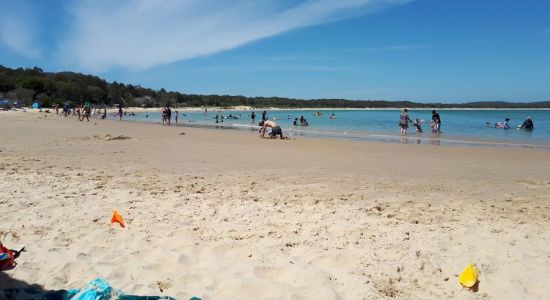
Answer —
437 121
528 124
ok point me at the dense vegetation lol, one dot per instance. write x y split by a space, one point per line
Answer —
29 85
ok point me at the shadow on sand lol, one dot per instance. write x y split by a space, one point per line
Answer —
13 289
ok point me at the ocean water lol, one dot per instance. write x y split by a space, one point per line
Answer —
458 126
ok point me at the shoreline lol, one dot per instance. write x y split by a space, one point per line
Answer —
249 108
362 136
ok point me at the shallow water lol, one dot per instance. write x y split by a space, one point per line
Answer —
458 126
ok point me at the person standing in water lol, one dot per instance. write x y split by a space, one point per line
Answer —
120 112
264 115
416 124
437 121
176 117
404 121
168 114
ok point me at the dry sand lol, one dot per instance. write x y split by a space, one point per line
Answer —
221 214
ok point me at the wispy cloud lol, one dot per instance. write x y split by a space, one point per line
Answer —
275 67
389 48
145 33
17 28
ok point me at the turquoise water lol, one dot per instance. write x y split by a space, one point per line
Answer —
458 126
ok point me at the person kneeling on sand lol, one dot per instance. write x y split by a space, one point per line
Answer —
275 130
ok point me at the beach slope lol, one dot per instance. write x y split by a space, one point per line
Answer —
221 214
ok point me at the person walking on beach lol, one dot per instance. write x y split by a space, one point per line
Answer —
404 121
66 109
437 121
176 117
86 111
275 130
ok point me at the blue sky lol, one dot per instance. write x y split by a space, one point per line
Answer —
419 50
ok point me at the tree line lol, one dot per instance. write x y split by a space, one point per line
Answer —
28 85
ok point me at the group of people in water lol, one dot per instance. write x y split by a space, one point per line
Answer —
166 113
435 123
85 111
404 120
526 125
276 130
300 121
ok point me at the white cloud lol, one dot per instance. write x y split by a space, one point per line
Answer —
16 30
145 33
389 48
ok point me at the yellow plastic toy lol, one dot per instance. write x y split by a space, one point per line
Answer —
468 278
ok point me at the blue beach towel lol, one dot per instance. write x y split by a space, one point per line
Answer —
99 289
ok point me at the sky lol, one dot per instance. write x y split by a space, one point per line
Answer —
419 50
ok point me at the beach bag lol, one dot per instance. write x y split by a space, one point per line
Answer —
7 259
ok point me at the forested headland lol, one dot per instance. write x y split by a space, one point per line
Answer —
29 85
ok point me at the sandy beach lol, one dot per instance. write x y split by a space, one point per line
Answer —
221 214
